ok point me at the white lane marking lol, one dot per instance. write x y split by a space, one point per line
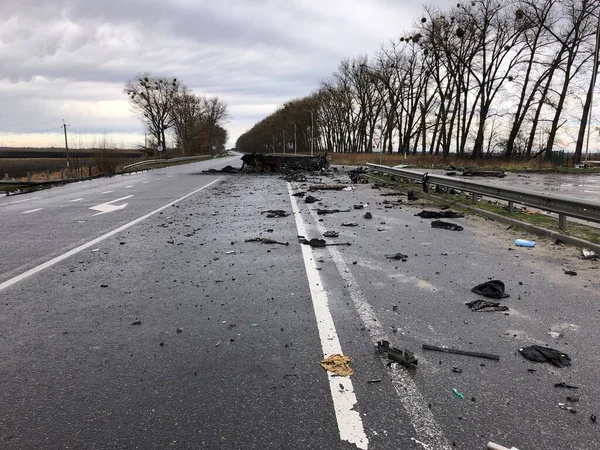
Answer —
21 201
144 182
107 192
349 422
130 186
109 207
93 242
32 210
76 200
427 429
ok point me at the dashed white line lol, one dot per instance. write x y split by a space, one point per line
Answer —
349 422
93 242
76 200
24 200
144 182
32 210
130 186
107 192
426 427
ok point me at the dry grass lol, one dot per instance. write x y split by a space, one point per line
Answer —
360 159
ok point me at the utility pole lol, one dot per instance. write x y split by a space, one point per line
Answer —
273 142
295 141
64 126
312 131
283 140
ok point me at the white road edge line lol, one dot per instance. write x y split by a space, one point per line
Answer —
32 210
349 422
93 242
426 427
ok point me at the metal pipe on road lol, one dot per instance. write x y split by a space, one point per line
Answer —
563 206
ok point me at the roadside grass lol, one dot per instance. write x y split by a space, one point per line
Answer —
437 162
460 201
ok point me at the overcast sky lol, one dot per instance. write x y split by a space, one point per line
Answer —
69 58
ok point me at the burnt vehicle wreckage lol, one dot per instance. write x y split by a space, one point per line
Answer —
278 162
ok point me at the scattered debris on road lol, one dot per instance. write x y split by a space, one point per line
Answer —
570 272
349 224
266 241
338 364
588 254
446 225
492 289
368 215
361 205
358 176
411 196
316 242
273 213
137 322
322 212
524 243
311 199
461 352
537 353
328 187
404 357
562 384
458 394
456 370
439 214
331 234
397 257
374 381
485 306
299 194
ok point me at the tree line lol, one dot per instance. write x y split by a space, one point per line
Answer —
168 108
482 77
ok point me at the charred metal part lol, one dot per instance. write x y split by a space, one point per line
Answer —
461 352
266 241
276 162
404 357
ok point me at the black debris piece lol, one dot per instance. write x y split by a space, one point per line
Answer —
311 199
492 289
322 212
299 194
368 215
456 370
446 225
137 322
460 352
374 381
562 384
486 306
266 241
331 234
439 214
397 256
271 213
226 169
316 242
537 353
360 206
573 398
593 418
411 195
349 224
404 357
357 176
570 272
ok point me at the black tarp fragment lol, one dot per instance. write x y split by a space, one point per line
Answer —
537 353
492 289
446 225
486 306
439 214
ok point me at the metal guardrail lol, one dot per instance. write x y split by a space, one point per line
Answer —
161 161
563 206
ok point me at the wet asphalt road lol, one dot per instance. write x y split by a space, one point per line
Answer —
176 333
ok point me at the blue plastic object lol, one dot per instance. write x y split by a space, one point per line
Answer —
524 243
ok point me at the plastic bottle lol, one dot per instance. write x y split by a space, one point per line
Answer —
524 243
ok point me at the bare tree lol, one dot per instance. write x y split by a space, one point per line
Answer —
153 99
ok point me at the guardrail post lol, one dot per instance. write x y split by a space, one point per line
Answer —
29 177
511 207
473 197
6 176
47 174
62 174
90 171
562 221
